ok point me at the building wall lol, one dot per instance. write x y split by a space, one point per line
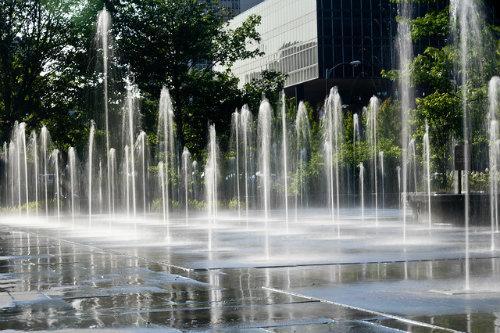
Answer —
238 6
356 30
289 39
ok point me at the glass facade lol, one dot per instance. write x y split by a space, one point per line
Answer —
247 4
289 39
360 30
305 38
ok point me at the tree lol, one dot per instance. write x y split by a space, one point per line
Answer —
270 83
438 100
32 38
177 44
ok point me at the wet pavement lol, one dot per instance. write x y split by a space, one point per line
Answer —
141 275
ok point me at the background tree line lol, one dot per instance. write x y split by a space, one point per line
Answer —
51 69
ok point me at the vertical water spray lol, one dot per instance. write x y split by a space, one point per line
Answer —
356 131
493 103
55 158
382 177
372 114
212 175
103 38
161 175
427 161
5 157
90 170
362 190
44 147
406 95
22 139
186 162
284 153
34 151
264 136
332 127
398 171
126 175
72 180
327 146
303 141
16 160
99 186
235 125
130 127
10 175
246 127
112 174
412 162
466 25
166 133
141 146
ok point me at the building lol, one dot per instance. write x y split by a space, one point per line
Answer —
247 4
321 43
238 6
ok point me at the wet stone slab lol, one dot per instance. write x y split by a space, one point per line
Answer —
123 274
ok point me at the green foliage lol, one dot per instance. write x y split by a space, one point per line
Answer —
438 99
389 119
443 113
269 84
41 67
432 69
434 24
50 71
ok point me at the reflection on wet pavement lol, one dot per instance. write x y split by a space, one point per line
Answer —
54 278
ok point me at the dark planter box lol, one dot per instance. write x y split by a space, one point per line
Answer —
450 208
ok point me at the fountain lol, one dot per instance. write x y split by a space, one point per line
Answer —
235 125
141 146
329 173
161 175
371 133
405 56
130 114
356 130
22 134
111 181
246 132
493 99
125 175
284 154
212 175
303 141
412 162
466 25
332 124
72 180
427 163
45 146
103 40
54 156
362 190
186 162
90 171
34 156
264 136
166 133
382 176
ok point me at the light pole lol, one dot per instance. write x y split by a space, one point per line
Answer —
328 71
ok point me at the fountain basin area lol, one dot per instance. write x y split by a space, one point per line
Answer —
239 274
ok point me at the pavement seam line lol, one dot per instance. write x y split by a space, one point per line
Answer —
386 315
